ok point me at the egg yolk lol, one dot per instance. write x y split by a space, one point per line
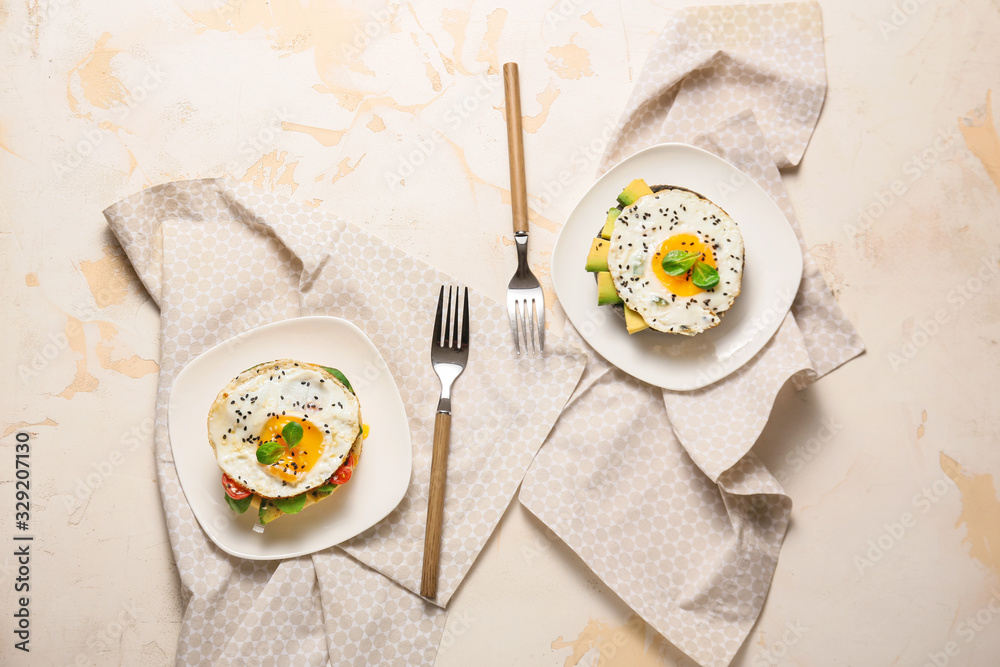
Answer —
300 459
681 285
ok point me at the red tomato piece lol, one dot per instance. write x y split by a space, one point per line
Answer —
343 474
234 490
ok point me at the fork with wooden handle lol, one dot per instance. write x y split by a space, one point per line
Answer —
525 299
449 354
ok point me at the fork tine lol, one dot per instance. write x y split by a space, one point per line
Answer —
447 322
524 325
437 318
456 343
465 321
534 316
512 313
541 328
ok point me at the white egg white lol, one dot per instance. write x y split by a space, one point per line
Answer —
287 387
639 232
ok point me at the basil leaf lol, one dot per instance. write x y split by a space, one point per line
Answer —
239 506
679 262
704 276
270 451
325 490
292 433
340 376
291 505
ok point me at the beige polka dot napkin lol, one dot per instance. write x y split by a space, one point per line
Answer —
220 258
659 491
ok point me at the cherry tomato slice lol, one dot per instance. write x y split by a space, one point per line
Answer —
344 472
234 490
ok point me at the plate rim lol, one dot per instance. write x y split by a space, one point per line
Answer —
291 321
560 284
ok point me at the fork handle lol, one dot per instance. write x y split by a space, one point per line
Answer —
435 505
515 148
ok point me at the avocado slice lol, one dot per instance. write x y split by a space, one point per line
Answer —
633 191
597 260
634 321
606 292
609 224
268 511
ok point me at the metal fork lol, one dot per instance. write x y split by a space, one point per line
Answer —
449 354
525 300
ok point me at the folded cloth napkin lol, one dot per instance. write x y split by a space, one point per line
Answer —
220 258
657 490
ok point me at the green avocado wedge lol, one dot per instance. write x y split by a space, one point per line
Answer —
597 260
606 292
268 512
609 223
633 191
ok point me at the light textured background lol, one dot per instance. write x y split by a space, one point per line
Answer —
398 102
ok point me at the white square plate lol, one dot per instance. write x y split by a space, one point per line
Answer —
770 277
379 482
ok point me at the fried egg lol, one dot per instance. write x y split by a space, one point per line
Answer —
256 407
656 224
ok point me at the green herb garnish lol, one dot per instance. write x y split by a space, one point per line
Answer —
679 262
291 434
340 376
291 505
704 276
239 506
325 490
271 451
